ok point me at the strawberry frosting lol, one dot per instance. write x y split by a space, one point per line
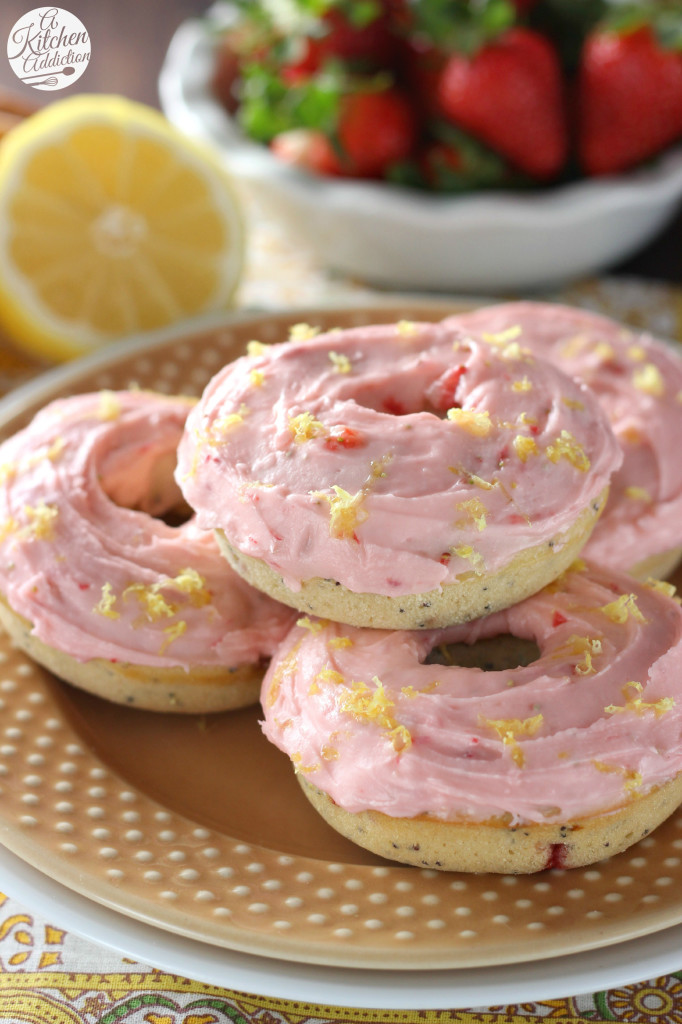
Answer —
638 381
393 458
593 722
86 559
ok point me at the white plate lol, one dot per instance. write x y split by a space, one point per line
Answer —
639 960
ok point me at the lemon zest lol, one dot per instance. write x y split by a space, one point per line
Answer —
509 729
475 512
109 407
649 380
172 633
524 447
604 352
305 427
514 351
573 403
638 494
41 520
7 529
224 425
313 625
105 605
622 608
190 582
341 363
639 706
472 478
566 447
587 646
468 553
303 332
502 337
637 353
663 587
477 423
406 328
345 511
286 666
256 348
572 346
156 606
632 779
330 675
374 705
153 603
300 768
337 642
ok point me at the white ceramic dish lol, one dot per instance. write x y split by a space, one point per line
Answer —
396 238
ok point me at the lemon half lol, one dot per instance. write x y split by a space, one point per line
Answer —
111 223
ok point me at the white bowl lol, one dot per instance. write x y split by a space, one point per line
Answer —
397 238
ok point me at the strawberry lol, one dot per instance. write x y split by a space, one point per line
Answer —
629 99
308 149
358 34
509 94
375 130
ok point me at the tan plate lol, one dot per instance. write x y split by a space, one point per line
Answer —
196 825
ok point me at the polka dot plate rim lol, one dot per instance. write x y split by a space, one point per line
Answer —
79 802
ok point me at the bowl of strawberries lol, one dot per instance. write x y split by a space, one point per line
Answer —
477 145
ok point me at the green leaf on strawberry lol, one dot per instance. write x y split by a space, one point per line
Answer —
459 25
459 163
269 105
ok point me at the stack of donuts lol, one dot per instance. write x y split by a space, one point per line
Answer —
447 539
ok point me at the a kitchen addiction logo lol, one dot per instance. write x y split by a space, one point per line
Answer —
48 48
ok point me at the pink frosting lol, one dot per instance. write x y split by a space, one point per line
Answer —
393 458
638 380
84 560
595 721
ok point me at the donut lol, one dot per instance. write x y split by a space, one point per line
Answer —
396 475
559 761
638 380
98 588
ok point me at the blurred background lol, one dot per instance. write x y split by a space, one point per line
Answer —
129 41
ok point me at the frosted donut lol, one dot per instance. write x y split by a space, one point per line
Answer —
638 380
558 763
397 475
99 589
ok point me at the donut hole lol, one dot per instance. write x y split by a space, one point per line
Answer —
494 654
147 485
411 393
